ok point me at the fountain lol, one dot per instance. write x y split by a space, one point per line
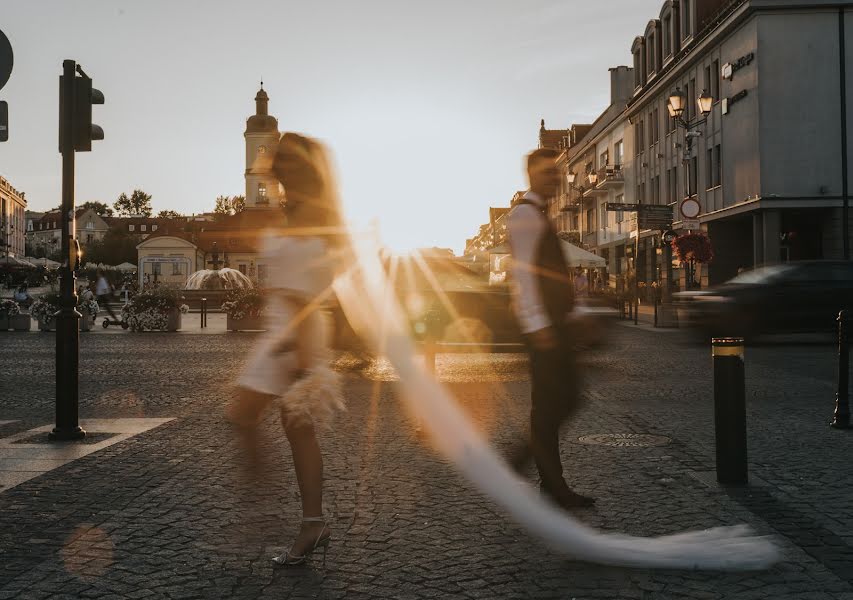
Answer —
218 279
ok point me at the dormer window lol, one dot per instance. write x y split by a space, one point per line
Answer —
143 227
131 227
652 59
639 51
686 19
667 36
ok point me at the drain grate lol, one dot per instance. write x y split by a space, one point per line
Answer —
625 440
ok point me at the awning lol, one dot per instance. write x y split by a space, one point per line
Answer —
576 257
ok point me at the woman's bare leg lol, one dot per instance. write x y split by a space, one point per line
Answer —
308 462
245 413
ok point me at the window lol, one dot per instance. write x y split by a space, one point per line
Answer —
715 81
718 165
655 125
691 100
242 269
656 190
131 227
651 55
637 67
90 238
709 166
262 193
693 177
667 34
90 225
618 153
708 79
155 268
177 268
143 227
603 220
604 159
642 142
154 228
262 273
686 18
620 216
590 220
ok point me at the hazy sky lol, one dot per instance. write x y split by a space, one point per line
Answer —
429 106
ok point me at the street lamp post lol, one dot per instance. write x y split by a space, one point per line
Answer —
676 106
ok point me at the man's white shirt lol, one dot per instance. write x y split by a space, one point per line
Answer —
525 225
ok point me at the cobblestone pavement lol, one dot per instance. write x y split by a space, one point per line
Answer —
166 513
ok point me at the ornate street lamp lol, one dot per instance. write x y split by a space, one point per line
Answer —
677 103
705 101
593 178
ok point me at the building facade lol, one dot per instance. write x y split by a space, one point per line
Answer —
13 207
45 236
766 164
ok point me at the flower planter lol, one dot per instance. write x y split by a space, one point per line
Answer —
245 324
47 326
21 322
174 322
4 323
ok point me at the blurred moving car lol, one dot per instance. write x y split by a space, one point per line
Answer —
785 298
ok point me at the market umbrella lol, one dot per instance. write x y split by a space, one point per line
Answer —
126 267
42 262
12 262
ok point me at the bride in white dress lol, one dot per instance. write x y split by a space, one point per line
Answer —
290 366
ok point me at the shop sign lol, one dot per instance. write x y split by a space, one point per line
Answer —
729 69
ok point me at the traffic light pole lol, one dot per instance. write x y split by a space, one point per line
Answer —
67 319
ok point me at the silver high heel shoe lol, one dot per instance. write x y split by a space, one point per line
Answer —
322 542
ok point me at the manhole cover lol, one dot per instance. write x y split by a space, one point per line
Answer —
625 440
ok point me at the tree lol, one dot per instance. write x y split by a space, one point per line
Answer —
115 248
169 214
101 208
226 205
139 203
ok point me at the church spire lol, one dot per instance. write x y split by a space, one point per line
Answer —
262 101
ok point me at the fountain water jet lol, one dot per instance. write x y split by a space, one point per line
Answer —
219 279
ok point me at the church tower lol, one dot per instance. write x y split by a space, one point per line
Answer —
262 188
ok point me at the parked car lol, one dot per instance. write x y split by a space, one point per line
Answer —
785 298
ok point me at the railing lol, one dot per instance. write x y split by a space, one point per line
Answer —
590 240
567 203
610 174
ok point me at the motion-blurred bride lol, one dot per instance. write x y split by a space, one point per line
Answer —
290 366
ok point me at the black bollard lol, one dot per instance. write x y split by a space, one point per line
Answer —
730 410
203 313
841 418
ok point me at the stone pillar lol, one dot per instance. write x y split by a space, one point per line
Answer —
772 221
757 239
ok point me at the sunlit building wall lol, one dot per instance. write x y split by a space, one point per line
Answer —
13 207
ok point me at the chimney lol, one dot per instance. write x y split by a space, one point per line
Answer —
621 85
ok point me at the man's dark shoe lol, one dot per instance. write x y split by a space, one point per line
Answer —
567 499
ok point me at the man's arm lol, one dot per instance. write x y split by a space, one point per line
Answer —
525 227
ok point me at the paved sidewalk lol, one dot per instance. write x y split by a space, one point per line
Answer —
166 514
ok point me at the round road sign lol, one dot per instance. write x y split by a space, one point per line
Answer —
690 208
6 59
669 236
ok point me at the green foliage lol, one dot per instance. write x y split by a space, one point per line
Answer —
101 208
115 248
139 203
243 303
229 205
169 214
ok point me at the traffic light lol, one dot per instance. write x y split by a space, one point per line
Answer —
82 129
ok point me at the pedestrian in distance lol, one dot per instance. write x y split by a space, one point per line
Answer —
22 296
543 300
104 291
291 365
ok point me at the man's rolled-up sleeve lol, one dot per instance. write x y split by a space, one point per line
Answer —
525 227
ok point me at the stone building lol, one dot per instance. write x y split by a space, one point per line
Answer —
13 207
766 165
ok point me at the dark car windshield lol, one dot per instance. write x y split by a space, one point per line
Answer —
761 275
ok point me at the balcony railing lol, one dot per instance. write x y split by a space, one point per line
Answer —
610 176
568 202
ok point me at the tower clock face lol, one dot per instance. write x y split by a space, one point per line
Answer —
262 149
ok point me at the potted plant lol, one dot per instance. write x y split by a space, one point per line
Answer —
243 309
155 309
691 249
44 310
8 310
89 309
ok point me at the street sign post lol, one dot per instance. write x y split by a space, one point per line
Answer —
6 63
4 122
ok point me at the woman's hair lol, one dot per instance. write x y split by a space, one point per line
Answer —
303 167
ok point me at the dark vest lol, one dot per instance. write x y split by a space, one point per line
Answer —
553 273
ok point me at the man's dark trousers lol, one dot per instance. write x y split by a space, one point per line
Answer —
556 385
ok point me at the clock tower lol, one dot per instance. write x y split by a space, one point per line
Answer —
262 188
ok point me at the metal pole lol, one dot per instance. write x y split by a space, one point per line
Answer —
203 313
67 319
730 410
841 418
845 206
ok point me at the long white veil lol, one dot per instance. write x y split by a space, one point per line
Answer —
368 301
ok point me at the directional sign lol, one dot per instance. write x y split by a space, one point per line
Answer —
4 122
620 207
6 59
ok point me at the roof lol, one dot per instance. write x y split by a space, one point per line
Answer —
551 138
116 221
